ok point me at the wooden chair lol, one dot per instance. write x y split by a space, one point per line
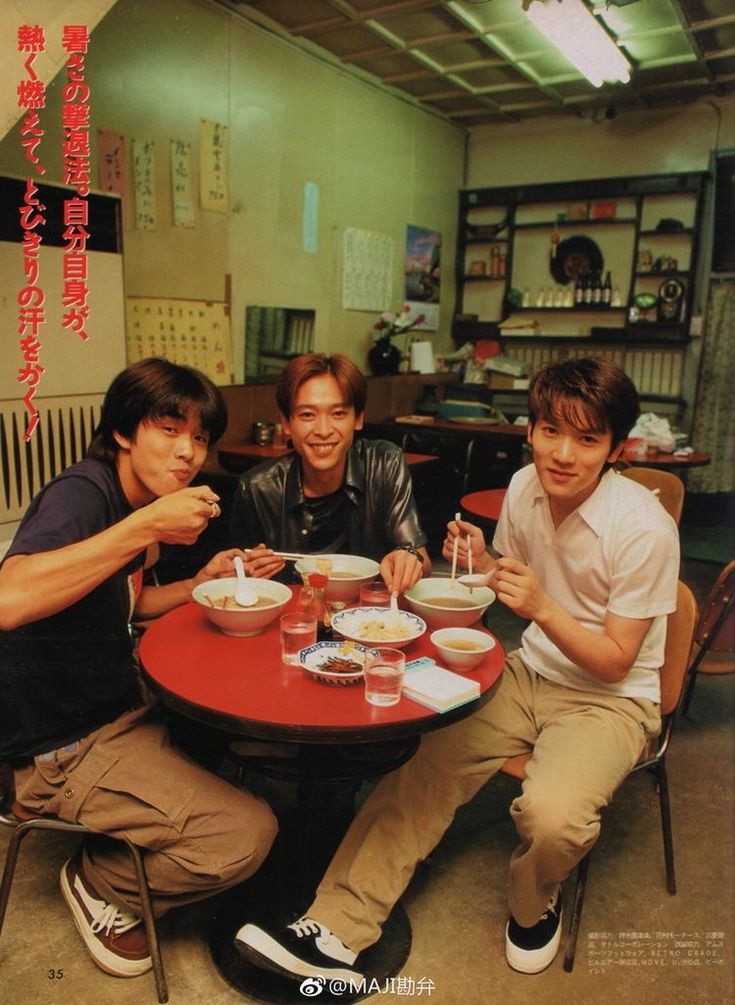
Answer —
715 631
24 821
668 487
679 635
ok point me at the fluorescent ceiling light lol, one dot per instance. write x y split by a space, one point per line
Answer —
575 31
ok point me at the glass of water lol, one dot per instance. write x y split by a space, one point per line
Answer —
298 631
384 669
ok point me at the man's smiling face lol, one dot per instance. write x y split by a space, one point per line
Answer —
322 427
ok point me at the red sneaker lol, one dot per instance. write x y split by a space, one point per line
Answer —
115 939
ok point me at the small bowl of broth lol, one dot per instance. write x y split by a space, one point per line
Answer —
445 603
461 649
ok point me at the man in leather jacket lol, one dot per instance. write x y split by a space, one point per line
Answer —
332 494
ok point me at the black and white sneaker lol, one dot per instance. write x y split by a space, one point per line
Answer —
303 949
531 950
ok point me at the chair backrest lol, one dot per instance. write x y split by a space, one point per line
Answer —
677 654
716 625
668 487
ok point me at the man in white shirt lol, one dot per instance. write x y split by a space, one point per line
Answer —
591 560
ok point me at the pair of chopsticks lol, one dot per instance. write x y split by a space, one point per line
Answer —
458 516
287 556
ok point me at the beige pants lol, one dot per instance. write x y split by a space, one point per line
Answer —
584 744
202 834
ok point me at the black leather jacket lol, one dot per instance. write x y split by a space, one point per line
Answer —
269 503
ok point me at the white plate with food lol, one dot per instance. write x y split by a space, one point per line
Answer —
374 626
337 664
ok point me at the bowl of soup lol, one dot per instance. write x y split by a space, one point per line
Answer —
461 648
345 574
217 600
445 603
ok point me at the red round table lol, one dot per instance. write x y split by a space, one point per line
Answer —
485 504
240 685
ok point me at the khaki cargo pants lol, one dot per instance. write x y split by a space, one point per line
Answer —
202 835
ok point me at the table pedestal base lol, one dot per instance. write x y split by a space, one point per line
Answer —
385 959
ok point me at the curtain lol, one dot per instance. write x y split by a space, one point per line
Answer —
713 430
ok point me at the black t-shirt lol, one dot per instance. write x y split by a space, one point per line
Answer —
331 521
66 675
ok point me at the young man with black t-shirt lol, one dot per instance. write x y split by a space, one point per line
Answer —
73 724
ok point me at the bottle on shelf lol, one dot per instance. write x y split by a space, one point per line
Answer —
494 262
607 290
587 288
596 289
579 290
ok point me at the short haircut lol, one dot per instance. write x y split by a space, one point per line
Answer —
587 393
351 382
153 389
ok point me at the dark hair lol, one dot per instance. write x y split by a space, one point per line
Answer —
586 393
351 382
152 389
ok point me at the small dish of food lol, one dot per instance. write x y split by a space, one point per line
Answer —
336 664
461 649
217 599
345 574
375 626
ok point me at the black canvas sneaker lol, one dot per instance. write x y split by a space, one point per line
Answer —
531 950
303 949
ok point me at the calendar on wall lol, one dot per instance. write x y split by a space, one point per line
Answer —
190 332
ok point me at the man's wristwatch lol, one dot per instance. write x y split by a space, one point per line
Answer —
412 550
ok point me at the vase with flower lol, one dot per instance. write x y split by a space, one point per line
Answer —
384 357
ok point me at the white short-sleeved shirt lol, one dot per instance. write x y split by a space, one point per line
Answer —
618 552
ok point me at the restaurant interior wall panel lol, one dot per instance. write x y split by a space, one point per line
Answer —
380 163
60 439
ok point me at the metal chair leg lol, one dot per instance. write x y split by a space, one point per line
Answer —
149 921
11 860
666 831
573 932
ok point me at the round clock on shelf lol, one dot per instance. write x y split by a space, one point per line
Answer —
670 297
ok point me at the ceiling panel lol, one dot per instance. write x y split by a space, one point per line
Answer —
474 61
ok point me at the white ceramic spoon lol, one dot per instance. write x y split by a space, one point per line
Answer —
245 594
395 614
478 579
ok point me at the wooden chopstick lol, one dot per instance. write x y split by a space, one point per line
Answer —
457 516
288 556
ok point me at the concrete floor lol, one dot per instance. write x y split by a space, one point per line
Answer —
637 944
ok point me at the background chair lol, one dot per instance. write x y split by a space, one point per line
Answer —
668 487
23 822
679 636
715 631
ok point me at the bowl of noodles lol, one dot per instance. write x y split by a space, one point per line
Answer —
445 603
217 599
374 626
345 574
